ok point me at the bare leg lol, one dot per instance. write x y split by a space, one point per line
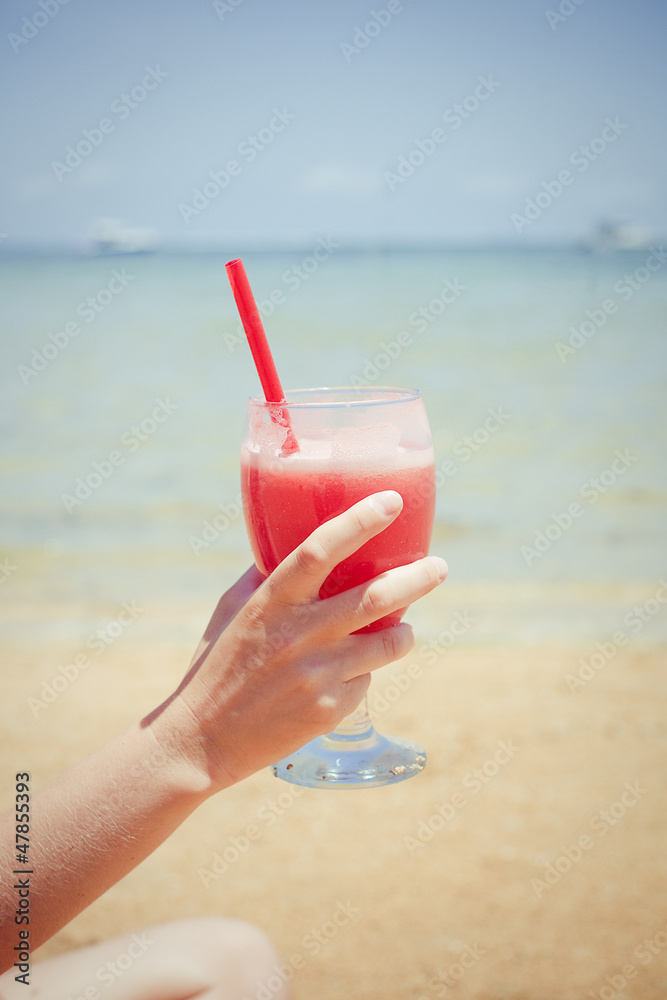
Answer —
207 958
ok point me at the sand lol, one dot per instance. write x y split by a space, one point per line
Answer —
535 878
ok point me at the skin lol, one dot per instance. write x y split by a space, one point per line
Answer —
276 667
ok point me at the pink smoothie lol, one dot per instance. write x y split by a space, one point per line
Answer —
285 499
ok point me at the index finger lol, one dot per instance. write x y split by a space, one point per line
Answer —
300 575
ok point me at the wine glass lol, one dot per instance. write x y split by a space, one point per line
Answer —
350 443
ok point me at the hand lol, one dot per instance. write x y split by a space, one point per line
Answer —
277 665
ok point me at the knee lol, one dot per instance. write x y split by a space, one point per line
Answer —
242 937
238 952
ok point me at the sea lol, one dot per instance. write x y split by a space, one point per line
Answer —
124 386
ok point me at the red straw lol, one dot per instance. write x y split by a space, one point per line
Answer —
259 345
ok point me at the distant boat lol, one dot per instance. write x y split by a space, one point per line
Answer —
113 236
618 236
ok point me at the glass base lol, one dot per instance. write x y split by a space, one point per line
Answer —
354 761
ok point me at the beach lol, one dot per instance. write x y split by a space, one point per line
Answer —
525 862
469 880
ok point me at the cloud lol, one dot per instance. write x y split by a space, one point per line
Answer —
341 180
495 183
96 174
33 187
89 175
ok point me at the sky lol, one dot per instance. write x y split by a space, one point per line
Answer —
269 123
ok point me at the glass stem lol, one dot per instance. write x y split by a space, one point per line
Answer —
355 726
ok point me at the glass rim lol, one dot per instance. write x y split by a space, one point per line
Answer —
386 395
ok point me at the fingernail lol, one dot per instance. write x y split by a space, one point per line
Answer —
387 503
441 567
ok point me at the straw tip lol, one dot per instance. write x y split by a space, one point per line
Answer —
233 263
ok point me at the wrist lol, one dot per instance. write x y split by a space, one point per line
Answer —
182 755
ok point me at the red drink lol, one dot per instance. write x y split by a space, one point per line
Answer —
285 497
306 461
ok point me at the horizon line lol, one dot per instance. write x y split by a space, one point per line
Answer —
86 249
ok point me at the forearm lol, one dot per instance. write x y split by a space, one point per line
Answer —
93 825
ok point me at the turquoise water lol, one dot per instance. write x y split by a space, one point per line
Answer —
157 378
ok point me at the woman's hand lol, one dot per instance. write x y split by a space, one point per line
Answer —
277 665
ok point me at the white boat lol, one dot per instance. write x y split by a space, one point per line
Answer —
114 236
618 236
